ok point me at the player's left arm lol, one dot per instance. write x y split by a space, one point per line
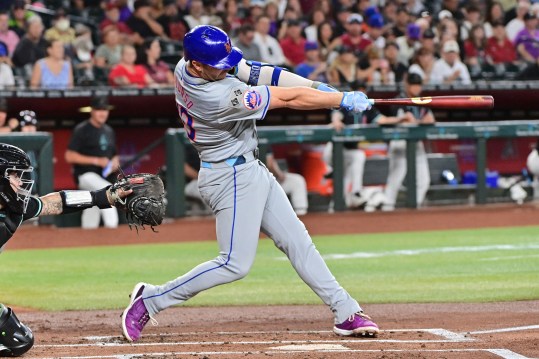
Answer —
256 73
427 117
64 202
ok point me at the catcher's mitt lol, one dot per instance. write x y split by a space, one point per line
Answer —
146 205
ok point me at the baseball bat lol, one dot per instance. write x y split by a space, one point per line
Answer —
462 102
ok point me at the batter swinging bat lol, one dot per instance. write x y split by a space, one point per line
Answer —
461 102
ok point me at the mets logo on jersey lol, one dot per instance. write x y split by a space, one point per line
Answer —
252 99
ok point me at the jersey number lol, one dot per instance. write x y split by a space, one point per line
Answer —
188 122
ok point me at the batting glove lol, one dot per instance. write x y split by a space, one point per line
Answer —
355 101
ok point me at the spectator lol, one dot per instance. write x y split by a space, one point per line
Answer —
311 32
325 38
245 42
343 70
255 10
449 69
11 124
7 36
500 50
353 38
409 43
375 31
108 54
313 67
233 17
389 11
293 44
156 8
428 41
18 19
374 69
514 26
423 64
125 10
401 22
448 30
270 50
293 184
92 152
341 23
397 148
112 19
475 51
142 24
290 14
83 65
453 6
172 22
126 73
526 43
32 46
495 14
196 15
354 157
53 71
61 29
472 17
391 54
157 69
6 73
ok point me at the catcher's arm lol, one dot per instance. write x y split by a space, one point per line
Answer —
73 201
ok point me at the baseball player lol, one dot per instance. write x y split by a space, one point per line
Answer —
16 206
397 148
354 157
220 96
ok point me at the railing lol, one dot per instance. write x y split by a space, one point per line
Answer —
480 131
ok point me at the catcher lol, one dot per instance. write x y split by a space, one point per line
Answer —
17 205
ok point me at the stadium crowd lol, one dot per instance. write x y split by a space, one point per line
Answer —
59 44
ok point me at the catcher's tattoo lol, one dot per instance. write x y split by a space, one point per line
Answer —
52 204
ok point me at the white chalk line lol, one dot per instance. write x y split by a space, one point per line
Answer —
509 257
503 330
504 353
435 331
412 252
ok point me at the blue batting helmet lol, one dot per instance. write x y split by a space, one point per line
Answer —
211 46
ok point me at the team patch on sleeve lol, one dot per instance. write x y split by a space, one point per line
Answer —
252 99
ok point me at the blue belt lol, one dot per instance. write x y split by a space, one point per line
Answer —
231 162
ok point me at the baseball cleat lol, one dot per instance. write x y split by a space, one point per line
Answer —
357 324
135 316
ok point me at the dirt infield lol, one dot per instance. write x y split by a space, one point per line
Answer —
493 330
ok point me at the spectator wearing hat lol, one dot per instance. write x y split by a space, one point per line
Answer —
6 73
293 44
92 153
397 148
514 26
53 71
353 37
428 41
527 46
7 36
245 42
270 49
313 67
409 43
112 19
375 31
32 46
142 24
449 69
61 29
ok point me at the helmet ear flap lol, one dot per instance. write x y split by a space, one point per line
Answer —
15 337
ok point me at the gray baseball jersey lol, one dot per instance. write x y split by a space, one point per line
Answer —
219 118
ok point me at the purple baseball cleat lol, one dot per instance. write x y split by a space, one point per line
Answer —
357 324
135 316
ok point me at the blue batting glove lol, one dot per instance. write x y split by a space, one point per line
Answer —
355 101
326 88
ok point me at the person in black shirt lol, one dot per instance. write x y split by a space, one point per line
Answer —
17 205
354 157
92 152
32 46
142 24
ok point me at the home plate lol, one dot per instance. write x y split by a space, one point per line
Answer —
312 347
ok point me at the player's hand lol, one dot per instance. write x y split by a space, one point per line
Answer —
120 192
355 101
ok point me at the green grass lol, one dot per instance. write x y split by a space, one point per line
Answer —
101 277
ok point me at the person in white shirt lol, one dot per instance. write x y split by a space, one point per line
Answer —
514 26
270 50
449 69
